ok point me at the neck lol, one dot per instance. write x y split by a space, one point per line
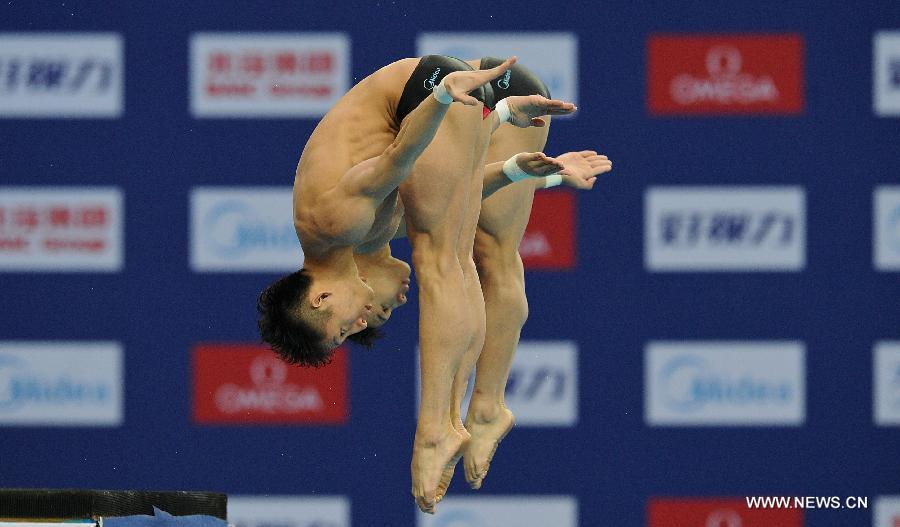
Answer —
378 257
337 264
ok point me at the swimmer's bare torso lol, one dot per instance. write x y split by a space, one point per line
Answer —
346 141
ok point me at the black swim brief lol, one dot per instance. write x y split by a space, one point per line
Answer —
517 80
428 74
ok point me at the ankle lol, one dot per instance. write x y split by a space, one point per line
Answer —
432 436
485 410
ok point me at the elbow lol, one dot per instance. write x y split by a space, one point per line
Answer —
396 158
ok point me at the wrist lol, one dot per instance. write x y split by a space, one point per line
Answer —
440 93
553 180
503 111
513 171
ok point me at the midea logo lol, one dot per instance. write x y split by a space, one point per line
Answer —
690 383
504 81
429 82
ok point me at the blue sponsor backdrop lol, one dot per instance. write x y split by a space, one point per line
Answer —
838 305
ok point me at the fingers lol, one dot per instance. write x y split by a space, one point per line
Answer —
530 157
558 107
491 74
544 170
563 110
601 170
462 96
540 164
554 167
551 168
500 69
537 122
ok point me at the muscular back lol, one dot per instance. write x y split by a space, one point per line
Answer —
355 131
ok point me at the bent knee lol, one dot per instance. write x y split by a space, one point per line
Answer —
429 259
496 258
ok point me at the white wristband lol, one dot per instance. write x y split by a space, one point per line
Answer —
440 93
502 110
552 180
512 171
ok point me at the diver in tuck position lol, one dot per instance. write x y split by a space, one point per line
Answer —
392 129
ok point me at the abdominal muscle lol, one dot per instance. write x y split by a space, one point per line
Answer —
359 127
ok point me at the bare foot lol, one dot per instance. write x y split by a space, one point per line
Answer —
447 474
488 425
431 461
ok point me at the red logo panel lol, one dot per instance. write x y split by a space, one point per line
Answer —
725 74
717 512
249 384
549 241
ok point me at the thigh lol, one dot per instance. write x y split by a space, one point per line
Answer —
505 214
476 185
435 195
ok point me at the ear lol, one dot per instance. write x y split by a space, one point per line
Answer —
318 298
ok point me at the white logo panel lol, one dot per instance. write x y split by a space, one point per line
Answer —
887 228
542 389
268 74
886 71
724 383
61 383
59 75
886 376
243 229
887 511
61 229
512 511
551 56
724 229
289 511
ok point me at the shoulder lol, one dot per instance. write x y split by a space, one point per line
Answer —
391 79
336 218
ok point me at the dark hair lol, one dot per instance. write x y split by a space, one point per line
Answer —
288 325
366 338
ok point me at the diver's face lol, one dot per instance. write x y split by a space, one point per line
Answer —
351 303
390 282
